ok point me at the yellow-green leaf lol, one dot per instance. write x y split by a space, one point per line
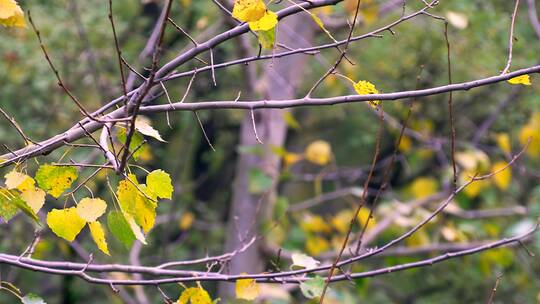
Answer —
55 179
90 209
523 79
248 10
8 209
136 145
98 234
159 183
11 203
247 289
65 223
34 198
267 38
11 14
136 204
194 295
267 22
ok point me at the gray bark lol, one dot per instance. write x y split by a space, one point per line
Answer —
280 81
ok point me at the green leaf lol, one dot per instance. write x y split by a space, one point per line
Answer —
312 288
120 228
267 38
159 182
65 223
259 182
55 179
136 141
32 299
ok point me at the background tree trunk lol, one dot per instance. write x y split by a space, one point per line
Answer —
280 81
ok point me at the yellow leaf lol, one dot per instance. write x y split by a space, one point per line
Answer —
186 220
248 10
65 223
423 187
503 178
98 234
363 87
318 152
523 79
314 223
34 198
267 22
194 295
316 245
503 141
90 209
19 180
11 14
247 289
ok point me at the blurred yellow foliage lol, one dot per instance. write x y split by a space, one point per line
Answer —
503 141
419 238
423 187
475 187
503 178
531 131
342 220
186 220
314 223
318 152
316 245
363 217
